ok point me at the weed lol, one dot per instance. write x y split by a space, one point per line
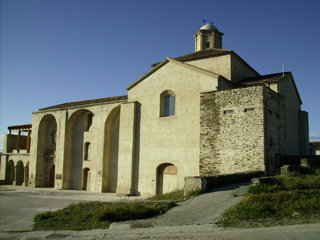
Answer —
286 200
176 195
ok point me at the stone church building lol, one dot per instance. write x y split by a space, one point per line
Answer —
205 113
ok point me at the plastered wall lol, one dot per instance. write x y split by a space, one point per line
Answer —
173 139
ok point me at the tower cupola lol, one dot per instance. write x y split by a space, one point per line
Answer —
208 37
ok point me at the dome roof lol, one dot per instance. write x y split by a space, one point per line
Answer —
208 26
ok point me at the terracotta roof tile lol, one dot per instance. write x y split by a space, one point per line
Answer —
274 77
203 54
85 102
200 55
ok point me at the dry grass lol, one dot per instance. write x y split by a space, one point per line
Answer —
288 200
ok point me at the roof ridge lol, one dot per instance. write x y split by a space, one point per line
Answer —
159 65
200 54
262 77
192 66
82 102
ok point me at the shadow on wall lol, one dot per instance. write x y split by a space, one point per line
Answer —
137 151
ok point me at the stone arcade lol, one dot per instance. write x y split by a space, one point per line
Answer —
205 113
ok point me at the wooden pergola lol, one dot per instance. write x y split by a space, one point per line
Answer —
22 128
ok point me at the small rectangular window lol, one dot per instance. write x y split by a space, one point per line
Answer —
248 109
207 44
227 111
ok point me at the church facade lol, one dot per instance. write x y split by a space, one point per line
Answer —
202 114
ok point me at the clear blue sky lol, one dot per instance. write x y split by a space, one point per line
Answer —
56 51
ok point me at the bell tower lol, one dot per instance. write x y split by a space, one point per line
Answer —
208 37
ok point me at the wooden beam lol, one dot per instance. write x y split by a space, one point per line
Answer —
28 140
18 141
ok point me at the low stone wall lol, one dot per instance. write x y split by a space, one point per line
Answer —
306 161
285 171
208 182
289 169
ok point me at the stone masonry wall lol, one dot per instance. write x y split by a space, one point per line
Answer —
275 128
232 131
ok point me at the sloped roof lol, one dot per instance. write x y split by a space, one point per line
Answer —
24 127
204 71
86 102
274 77
269 78
206 53
209 53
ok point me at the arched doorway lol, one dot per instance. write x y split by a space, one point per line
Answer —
79 123
52 176
19 173
47 136
111 147
86 177
10 172
167 178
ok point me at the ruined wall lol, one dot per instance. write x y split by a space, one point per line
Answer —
232 131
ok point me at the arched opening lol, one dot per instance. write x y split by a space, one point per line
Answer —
111 147
26 174
10 172
79 123
86 177
52 175
46 150
167 178
167 103
19 173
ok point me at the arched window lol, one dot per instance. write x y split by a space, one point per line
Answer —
167 103
86 150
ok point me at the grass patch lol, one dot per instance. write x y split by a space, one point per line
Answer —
287 200
92 215
177 195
